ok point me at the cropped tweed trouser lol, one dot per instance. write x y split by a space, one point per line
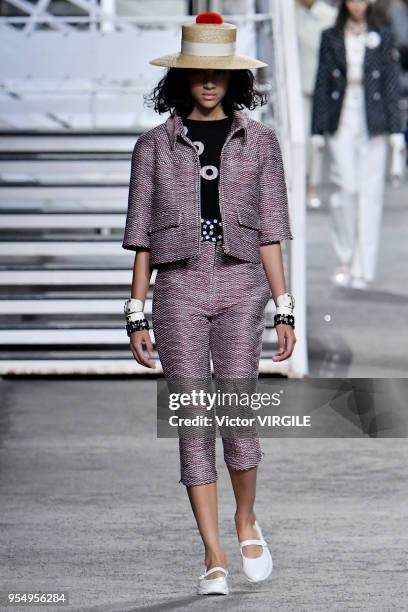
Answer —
211 307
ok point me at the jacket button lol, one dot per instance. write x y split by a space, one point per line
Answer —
377 96
336 73
395 54
376 74
335 95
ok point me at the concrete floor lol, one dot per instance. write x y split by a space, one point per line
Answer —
91 504
366 335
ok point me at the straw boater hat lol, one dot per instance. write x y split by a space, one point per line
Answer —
209 42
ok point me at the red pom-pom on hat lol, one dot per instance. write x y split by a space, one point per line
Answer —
209 18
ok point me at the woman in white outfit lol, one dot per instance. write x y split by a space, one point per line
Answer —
356 104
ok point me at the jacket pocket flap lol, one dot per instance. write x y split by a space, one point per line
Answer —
249 217
165 218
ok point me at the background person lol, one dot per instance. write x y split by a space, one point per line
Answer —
356 103
312 17
398 14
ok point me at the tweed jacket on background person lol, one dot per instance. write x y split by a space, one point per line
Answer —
164 209
381 83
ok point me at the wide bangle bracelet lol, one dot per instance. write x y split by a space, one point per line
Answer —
284 318
132 305
135 316
284 310
285 300
132 326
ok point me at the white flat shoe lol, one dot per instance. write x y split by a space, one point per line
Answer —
259 568
213 586
359 283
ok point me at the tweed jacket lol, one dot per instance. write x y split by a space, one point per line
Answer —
380 80
164 208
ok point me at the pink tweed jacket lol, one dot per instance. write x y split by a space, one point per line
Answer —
164 206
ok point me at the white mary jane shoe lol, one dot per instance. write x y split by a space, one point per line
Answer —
259 568
359 283
213 586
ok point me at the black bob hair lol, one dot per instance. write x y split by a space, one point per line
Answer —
172 93
375 16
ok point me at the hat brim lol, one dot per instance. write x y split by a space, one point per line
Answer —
229 62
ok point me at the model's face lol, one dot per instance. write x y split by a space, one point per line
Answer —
208 86
357 9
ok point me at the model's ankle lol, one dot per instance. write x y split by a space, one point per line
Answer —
245 518
215 557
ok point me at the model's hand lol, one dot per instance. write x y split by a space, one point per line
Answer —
286 342
318 142
137 340
398 158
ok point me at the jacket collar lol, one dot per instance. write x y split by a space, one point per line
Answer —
340 47
174 126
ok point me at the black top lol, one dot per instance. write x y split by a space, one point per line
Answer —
208 137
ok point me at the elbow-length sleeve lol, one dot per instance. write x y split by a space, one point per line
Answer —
273 195
140 195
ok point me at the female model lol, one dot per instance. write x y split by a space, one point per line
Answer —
356 103
208 207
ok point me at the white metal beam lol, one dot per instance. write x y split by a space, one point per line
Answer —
60 248
61 221
65 193
78 336
65 278
290 124
104 366
63 306
70 142
35 12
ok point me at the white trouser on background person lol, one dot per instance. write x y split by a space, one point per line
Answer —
358 165
314 157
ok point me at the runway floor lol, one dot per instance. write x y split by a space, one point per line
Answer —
354 333
91 504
